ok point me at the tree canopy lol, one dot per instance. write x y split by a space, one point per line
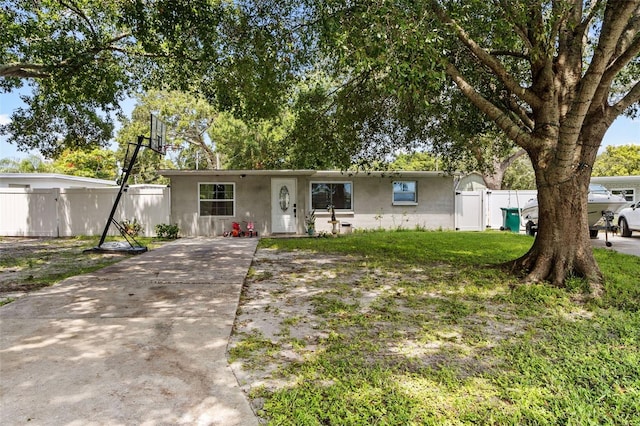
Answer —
623 160
82 58
98 163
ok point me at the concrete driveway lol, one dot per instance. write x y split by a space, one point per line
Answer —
622 245
140 342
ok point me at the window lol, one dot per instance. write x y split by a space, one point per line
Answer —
628 194
217 199
405 192
337 194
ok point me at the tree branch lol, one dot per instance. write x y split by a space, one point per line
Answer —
23 70
520 29
502 120
628 46
78 11
521 113
507 162
632 97
616 17
591 13
485 58
511 53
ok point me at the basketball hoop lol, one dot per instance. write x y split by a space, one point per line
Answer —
157 143
158 136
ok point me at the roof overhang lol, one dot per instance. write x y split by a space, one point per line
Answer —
309 173
616 179
59 177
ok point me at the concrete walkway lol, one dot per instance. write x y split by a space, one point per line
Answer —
141 342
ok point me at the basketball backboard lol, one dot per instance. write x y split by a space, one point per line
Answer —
158 135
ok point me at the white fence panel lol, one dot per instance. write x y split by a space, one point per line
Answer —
79 211
482 209
150 206
84 211
496 200
28 212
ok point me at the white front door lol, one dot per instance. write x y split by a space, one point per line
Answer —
283 205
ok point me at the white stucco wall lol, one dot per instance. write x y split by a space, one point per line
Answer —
372 200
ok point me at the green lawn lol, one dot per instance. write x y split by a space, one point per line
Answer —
419 328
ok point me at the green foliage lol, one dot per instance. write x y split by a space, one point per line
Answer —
31 164
519 175
82 59
415 161
623 160
201 137
98 163
167 231
253 144
74 59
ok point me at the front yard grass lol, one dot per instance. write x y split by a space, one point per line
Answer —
413 328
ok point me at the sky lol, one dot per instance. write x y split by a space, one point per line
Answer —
623 131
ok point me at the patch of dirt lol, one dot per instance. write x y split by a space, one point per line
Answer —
293 301
28 264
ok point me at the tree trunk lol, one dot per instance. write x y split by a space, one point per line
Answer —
562 247
493 179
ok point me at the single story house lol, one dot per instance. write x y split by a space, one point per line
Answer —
207 202
51 180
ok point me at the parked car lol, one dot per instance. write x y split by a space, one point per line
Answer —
629 220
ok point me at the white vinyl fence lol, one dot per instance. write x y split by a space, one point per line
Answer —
482 209
79 211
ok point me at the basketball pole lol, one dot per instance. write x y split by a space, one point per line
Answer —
123 185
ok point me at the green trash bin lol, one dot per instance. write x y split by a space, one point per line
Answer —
510 219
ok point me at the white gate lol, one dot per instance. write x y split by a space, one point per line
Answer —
469 214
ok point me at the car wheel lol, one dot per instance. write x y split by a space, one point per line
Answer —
624 227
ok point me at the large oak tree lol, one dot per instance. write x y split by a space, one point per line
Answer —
552 76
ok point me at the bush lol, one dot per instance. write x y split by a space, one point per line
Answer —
167 232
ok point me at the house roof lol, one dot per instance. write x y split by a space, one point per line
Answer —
616 179
56 176
310 173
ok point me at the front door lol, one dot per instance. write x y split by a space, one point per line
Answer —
283 205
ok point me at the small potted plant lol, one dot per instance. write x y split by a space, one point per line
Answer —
310 222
